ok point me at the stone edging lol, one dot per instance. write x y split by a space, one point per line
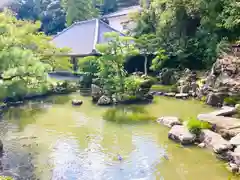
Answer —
224 149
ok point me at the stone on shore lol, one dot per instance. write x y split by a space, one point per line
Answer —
182 95
181 134
104 100
215 141
220 122
169 121
76 102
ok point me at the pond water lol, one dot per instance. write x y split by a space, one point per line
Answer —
50 139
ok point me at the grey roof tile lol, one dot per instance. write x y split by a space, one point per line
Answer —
82 37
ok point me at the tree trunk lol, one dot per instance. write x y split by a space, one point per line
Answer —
145 64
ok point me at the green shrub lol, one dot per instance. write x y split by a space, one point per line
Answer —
233 100
131 114
195 126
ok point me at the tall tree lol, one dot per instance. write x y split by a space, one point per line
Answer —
190 30
49 12
79 10
52 16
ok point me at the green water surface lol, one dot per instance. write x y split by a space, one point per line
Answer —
75 143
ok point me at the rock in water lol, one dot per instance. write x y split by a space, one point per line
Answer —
215 141
104 100
76 102
169 121
181 134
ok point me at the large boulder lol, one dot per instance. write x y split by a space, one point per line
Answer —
104 100
214 99
225 75
215 141
169 121
96 92
181 134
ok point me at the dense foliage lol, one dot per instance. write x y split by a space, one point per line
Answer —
192 32
24 65
55 15
49 12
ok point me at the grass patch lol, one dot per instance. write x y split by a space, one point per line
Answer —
164 88
131 114
5 178
195 126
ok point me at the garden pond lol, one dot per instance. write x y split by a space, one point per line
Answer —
51 139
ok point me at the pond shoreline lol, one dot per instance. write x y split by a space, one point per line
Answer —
227 150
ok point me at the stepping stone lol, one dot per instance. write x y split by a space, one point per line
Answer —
182 96
220 122
224 111
169 121
181 134
215 141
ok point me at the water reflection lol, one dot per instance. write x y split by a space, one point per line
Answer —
73 163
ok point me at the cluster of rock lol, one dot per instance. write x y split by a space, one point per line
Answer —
223 80
225 149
